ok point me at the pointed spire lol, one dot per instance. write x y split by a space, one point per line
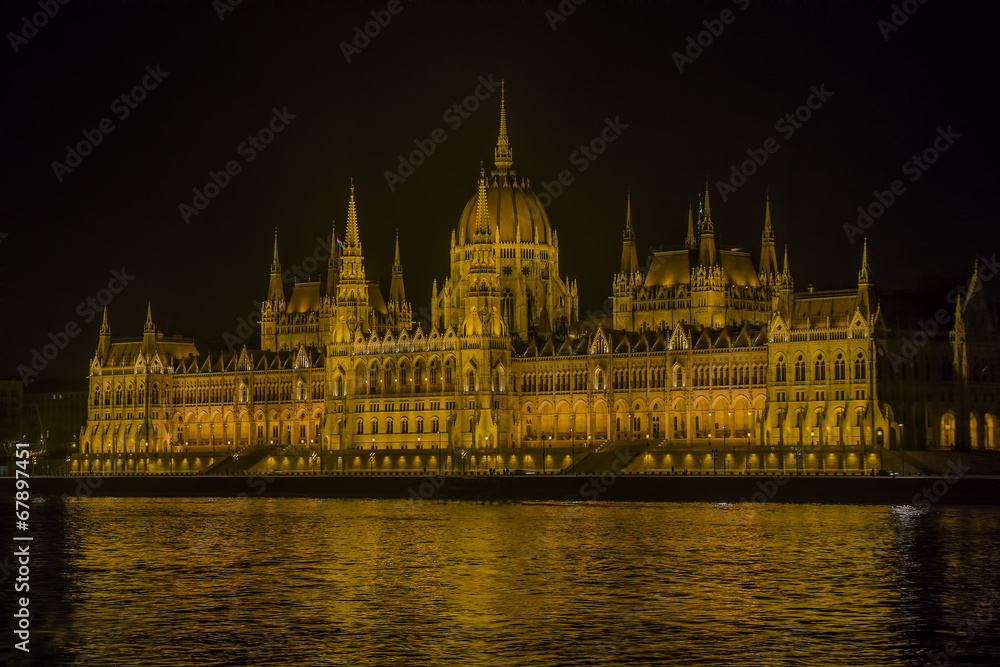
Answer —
706 224
786 273
690 242
629 232
768 232
863 278
353 240
630 260
105 327
397 294
396 264
503 155
149 317
768 260
275 264
706 240
482 210
275 288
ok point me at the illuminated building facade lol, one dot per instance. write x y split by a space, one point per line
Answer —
700 347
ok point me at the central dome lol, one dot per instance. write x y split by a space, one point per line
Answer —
513 207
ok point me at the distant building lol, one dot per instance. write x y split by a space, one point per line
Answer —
700 347
11 407
54 414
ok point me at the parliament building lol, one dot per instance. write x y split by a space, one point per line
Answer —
699 346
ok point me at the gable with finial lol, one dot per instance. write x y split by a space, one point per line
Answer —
779 330
679 339
859 328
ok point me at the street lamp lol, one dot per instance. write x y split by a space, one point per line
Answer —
715 455
798 459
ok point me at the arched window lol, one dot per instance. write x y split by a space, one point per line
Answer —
859 367
420 424
374 426
779 370
388 425
839 368
435 428
507 308
819 369
404 426
470 381
361 427
800 370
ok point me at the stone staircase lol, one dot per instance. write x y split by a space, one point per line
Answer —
614 456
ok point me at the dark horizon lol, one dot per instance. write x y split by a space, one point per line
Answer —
218 81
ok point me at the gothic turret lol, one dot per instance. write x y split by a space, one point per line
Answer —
149 331
396 293
690 242
768 258
630 261
104 339
706 247
275 289
352 268
865 289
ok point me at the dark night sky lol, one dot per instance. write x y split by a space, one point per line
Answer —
119 208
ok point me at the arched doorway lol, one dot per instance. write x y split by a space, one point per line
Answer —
947 434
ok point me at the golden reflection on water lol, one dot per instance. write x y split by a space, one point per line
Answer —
359 582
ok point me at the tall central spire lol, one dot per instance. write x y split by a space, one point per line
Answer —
503 155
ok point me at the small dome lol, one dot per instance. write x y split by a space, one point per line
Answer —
512 205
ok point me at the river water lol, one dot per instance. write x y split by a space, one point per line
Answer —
260 581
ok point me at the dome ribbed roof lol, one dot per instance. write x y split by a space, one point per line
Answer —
512 205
